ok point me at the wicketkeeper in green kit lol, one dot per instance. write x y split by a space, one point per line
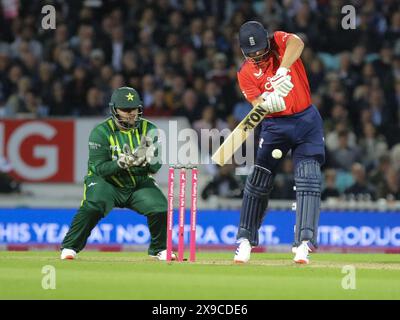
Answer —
123 153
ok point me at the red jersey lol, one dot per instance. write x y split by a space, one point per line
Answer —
254 81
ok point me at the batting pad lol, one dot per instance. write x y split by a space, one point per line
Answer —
308 199
255 200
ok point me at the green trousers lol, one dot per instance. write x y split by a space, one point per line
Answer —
100 197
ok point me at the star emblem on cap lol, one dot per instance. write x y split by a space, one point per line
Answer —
129 96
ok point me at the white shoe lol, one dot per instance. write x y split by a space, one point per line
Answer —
162 256
302 253
68 254
243 251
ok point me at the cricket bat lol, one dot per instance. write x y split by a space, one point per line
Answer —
239 135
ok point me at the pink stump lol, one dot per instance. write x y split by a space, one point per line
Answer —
193 216
181 240
170 213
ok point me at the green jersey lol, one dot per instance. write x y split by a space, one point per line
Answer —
106 142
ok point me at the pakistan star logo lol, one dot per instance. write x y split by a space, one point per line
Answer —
130 96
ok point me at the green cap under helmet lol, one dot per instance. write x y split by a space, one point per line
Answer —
126 98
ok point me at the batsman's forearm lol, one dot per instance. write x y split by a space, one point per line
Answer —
293 51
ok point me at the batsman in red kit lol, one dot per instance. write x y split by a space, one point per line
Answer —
273 77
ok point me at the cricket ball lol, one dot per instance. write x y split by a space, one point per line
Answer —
276 154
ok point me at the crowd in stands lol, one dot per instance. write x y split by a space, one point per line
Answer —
183 55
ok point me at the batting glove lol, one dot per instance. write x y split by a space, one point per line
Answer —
281 82
273 102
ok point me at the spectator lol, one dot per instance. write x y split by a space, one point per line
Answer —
27 37
64 65
148 90
194 36
330 190
271 13
77 89
94 103
344 156
10 83
213 96
16 103
361 189
284 182
377 176
190 70
209 121
117 47
190 107
219 71
332 137
224 184
316 75
378 108
395 156
390 189
33 106
159 107
57 102
44 83
96 62
104 79
372 146
176 91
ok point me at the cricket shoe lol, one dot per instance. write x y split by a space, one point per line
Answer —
68 254
302 253
242 254
310 246
162 256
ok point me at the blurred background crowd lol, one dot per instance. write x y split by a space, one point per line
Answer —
183 55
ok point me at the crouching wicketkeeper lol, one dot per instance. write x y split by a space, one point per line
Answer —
123 153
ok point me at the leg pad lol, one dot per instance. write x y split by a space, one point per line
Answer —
308 199
255 200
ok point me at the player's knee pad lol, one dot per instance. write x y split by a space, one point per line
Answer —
259 182
255 199
308 198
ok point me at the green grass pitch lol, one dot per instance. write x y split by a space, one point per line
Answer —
133 275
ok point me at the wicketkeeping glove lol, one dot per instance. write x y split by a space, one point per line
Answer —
128 159
151 148
273 102
145 151
281 82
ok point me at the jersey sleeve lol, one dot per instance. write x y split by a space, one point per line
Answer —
281 39
100 161
248 87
